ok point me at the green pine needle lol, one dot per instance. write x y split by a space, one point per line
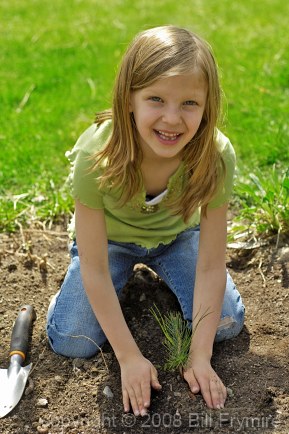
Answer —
177 336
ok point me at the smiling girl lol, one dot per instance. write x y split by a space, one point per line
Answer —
151 180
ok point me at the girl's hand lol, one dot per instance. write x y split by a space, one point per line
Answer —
138 375
201 377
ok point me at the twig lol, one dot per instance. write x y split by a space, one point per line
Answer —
86 337
25 99
91 84
39 358
46 231
261 272
278 238
21 231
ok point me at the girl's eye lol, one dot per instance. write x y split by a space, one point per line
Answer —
190 102
155 99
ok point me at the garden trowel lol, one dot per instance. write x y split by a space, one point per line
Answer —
13 379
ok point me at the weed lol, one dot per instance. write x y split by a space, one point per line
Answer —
263 203
43 204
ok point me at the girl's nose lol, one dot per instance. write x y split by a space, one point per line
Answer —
172 116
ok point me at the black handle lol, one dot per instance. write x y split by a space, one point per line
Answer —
21 331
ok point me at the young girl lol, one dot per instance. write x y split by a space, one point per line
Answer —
151 181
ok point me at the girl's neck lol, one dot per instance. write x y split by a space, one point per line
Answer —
156 174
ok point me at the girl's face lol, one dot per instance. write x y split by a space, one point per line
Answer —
168 114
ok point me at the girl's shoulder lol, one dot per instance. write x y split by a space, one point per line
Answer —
225 147
91 141
223 142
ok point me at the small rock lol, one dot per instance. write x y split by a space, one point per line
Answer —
42 402
29 389
78 363
42 429
142 297
177 394
58 379
283 254
93 369
86 365
107 392
230 392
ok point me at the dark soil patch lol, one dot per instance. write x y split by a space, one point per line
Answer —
254 366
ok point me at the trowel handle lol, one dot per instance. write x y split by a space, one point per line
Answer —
21 331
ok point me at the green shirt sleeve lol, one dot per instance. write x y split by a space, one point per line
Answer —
84 180
224 191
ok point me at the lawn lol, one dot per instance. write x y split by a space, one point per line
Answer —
58 62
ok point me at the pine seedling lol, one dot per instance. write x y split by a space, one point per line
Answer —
177 336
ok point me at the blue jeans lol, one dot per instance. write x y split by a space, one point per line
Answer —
71 324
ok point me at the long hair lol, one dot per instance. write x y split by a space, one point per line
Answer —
154 54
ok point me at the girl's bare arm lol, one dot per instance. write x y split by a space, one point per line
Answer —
138 374
209 291
93 254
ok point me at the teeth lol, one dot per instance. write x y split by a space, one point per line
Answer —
166 136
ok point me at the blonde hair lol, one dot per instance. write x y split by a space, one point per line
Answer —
154 54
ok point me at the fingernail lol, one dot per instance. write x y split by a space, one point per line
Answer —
218 406
143 412
136 413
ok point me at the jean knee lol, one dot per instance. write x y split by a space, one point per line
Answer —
230 326
73 345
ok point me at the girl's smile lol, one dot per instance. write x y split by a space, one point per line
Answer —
168 138
168 113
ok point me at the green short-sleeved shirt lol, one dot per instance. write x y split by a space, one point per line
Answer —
136 222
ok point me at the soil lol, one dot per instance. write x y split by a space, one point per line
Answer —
67 395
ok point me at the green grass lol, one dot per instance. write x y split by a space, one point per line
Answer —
263 204
58 62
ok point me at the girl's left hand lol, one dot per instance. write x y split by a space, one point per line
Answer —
201 377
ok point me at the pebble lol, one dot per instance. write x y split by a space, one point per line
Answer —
78 363
177 394
107 392
283 254
42 429
58 379
230 392
30 388
142 297
42 402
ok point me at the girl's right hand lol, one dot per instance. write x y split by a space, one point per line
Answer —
138 375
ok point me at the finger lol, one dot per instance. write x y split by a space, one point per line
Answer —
139 407
154 379
217 392
146 395
192 382
206 392
125 400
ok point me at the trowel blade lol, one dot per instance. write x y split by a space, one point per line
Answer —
12 387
